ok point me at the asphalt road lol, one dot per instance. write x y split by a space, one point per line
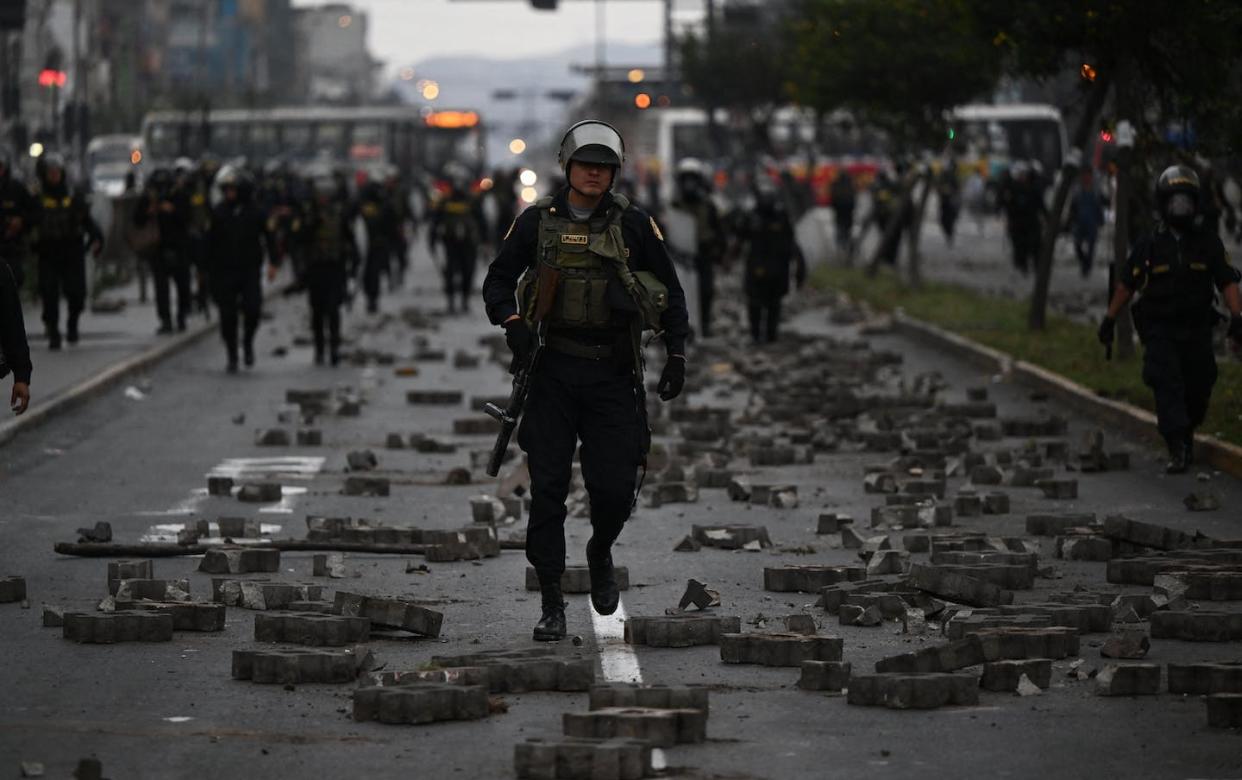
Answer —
171 710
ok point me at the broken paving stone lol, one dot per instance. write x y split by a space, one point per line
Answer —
738 490
664 697
240 560
1027 688
995 644
128 570
880 482
913 691
681 630
778 649
487 509
968 505
152 590
272 437
1206 677
53 617
986 475
830 676
328 565
698 595
958 587
1006 676
522 671
394 441
1202 501
688 544
808 578
672 493
186 615
858 615
582 759
577 579
1084 547
995 503
366 486
297 666
390 613
731 537
436 397
420 704
361 460
660 727
1128 680
220 486
309 437
1150 535
1060 489
1224 710
851 539
886 562
1131 645
261 594
110 628
260 493
313 629
1198 626
100 533
458 476
832 523
799 624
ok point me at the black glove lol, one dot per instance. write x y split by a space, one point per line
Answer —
1107 327
1235 328
672 379
520 338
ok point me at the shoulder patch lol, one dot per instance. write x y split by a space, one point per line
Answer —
509 232
656 228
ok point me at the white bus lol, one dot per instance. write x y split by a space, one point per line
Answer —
996 135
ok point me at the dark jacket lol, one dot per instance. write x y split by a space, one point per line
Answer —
1177 278
15 204
236 241
771 250
642 239
13 346
63 221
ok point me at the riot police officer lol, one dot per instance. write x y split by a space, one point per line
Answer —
64 227
195 186
767 233
15 208
235 261
594 274
399 198
331 255
163 202
380 218
457 223
694 196
1175 271
1022 198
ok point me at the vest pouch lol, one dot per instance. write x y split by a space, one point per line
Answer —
653 291
572 300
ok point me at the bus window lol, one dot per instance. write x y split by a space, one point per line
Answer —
296 139
163 140
369 141
330 139
263 142
226 139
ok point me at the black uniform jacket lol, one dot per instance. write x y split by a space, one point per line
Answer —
642 239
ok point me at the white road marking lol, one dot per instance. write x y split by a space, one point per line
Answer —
617 660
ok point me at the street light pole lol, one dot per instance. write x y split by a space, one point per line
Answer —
600 58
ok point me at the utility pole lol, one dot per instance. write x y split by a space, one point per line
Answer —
601 58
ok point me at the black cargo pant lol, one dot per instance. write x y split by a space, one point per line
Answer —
62 271
376 265
460 258
705 270
574 399
238 293
325 284
764 312
1180 370
170 265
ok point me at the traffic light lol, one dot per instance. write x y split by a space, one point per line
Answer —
12 14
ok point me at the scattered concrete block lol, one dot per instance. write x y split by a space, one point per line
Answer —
464 544
731 537
488 510
328 565
995 503
260 493
434 397
832 523
880 482
778 649
582 759
1004 676
884 562
186 616
153 590
1060 489
1150 535
1057 524
991 644
664 697
261 594
272 437
366 486
1128 680
1224 710
530 669
986 475
390 613
1198 626
476 426
294 667
1203 501
958 587
680 630
913 691
577 579
420 704
688 544
809 578
311 629
112 627
220 486
968 505
831 676
1130 645
361 460
53 616
660 727
240 560
1205 678
394 441
309 437
698 595
101 532
128 570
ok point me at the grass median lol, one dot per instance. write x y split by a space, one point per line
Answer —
1064 347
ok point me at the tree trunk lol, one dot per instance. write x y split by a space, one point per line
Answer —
916 227
1069 167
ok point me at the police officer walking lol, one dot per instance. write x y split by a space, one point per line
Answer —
694 197
15 208
594 274
64 227
162 202
235 259
1175 271
770 251
457 223
381 221
331 258
1023 201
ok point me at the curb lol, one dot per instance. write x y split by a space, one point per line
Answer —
1136 422
88 388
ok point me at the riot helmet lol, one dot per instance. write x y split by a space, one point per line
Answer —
160 178
235 178
51 161
591 141
1177 180
183 165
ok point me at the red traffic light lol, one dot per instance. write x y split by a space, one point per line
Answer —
52 78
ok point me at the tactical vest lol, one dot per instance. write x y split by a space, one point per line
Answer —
59 221
200 211
459 224
581 277
328 239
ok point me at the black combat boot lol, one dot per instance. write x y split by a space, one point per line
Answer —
53 340
71 332
1179 456
248 354
605 594
1190 449
551 626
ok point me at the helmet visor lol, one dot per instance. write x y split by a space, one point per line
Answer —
593 142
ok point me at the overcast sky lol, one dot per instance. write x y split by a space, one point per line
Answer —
404 32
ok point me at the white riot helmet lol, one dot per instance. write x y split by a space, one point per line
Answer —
691 166
591 141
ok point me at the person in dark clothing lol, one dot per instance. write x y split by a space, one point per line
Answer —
16 206
949 198
1176 272
170 261
457 223
1086 218
594 275
1021 197
399 197
844 201
63 228
886 200
14 349
331 254
767 236
236 246
380 219
694 197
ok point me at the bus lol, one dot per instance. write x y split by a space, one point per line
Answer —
993 136
363 137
